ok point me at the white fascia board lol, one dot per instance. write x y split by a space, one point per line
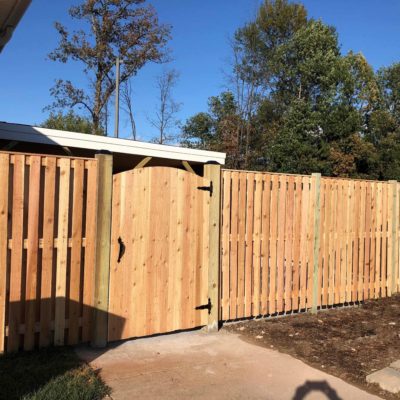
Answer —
31 134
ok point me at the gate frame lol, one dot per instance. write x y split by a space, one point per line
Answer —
212 171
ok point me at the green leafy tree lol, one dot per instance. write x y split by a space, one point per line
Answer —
216 130
68 122
110 28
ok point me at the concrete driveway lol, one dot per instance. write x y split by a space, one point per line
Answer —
196 365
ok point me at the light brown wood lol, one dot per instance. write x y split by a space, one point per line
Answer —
256 216
355 248
244 269
103 238
225 243
61 272
281 243
234 249
288 265
213 174
265 248
273 243
296 242
47 283
76 254
90 250
15 297
4 184
39 192
143 162
32 253
163 275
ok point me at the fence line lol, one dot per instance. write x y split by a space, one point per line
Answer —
47 249
296 242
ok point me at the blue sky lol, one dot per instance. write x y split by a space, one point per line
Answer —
201 30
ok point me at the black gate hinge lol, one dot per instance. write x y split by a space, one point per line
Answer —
207 188
207 306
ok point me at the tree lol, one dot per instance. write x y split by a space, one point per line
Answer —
217 129
167 108
68 122
127 95
125 28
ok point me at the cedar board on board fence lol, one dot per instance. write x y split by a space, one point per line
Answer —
269 251
47 250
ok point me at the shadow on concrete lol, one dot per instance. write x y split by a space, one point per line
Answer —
31 324
316 386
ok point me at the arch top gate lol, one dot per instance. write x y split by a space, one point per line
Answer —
159 252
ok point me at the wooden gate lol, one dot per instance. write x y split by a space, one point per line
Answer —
159 254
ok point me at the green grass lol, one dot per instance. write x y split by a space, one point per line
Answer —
55 373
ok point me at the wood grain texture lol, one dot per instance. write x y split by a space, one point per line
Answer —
164 222
306 250
4 184
43 248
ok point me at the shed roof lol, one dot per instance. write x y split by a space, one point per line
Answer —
32 134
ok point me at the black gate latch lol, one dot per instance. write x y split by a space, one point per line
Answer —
207 188
207 306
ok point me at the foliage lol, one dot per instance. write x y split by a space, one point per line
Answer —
69 122
307 107
49 374
110 28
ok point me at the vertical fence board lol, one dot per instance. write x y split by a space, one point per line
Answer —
90 249
225 243
15 299
265 248
234 243
32 252
244 269
257 244
281 243
62 244
4 184
76 254
273 243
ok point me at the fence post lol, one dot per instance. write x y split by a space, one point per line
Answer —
213 173
392 286
103 245
316 190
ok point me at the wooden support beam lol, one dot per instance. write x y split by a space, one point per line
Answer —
143 162
213 173
188 167
103 246
316 202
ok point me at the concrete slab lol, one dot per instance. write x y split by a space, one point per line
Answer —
196 365
387 378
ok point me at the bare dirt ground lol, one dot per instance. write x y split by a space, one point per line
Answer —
348 343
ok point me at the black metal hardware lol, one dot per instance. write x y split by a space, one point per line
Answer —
207 306
207 188
121 249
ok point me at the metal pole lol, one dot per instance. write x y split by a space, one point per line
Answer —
116 128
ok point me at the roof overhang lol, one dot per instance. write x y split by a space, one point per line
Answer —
31 134
11 12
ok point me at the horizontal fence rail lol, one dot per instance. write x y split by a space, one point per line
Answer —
47 250
292 242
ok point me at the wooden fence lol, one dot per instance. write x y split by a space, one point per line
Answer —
291 242
47 249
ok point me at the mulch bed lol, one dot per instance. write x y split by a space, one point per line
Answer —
349 342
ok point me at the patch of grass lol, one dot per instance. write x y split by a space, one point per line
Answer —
55 373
